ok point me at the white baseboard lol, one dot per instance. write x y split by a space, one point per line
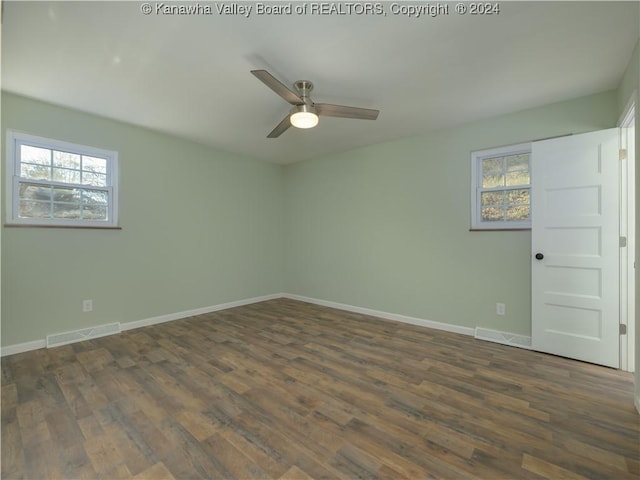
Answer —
198 311
37 344
386 315
22 347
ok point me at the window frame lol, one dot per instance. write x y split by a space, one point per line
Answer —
477 156
13 180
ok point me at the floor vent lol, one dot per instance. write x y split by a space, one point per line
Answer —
505 338
65 338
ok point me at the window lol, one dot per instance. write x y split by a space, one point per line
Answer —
501 188
54 183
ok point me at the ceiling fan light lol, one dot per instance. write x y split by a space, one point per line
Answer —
303 116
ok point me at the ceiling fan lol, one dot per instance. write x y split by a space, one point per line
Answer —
305 113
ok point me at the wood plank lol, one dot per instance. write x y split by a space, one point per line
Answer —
548 470
103 453
234 460
294 473
258 452
12 451
156 472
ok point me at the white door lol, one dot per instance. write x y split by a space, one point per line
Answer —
575 247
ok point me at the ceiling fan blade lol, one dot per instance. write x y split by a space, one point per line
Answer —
277 86
328 110
281 128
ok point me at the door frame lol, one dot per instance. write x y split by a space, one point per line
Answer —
627 229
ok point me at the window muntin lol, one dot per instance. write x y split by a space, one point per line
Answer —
501 188
59 183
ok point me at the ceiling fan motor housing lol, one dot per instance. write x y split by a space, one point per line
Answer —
304 87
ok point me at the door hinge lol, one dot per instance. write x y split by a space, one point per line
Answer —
623 242
623 329
623 154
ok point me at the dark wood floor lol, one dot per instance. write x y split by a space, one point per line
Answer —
284 389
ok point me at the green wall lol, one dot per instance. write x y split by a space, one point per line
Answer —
629 82
199 228
387 226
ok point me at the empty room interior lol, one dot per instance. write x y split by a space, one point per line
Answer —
305 240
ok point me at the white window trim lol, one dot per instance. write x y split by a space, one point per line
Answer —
476 182
12 180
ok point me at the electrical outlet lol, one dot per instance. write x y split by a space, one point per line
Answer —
87 305
501 309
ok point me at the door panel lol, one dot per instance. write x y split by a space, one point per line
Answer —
575 286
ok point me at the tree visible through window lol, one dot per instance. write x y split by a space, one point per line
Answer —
501 188
57 183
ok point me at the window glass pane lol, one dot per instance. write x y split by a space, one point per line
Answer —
41 156
95 197
66 175
492 172
94 179
66 160
33 209
518 178
518 213
94 164
492 198
70 195
492 214
30 191
94 212
518 162
66 210
35 172
517 170
518 197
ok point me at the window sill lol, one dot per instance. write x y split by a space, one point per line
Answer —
78 227
505 229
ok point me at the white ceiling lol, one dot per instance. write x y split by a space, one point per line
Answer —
189 75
